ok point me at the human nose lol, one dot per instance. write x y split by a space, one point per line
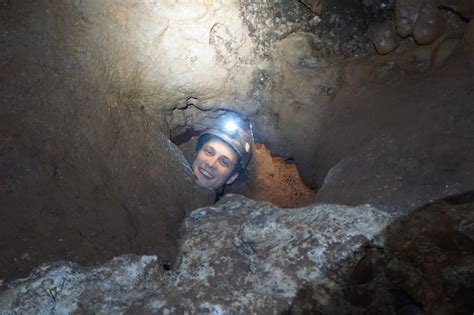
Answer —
211 162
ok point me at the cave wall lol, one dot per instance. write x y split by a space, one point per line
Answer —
86 173
92 90
389 129
409 141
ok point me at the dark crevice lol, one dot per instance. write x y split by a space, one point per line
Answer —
458 14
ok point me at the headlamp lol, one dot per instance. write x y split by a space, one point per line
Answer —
231 126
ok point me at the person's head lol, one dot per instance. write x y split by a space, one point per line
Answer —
221 155
215 164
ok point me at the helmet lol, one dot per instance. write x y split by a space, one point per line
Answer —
239 139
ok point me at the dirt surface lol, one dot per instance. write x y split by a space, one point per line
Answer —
274 180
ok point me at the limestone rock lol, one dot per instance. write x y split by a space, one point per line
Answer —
340 27
420 18
87 171
383 37
428 25
251 257
431 256
302 79
463 7
426 266
74 213
237 256
401 182
66 288
401 169
406 13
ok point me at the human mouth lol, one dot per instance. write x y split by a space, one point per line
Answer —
205 173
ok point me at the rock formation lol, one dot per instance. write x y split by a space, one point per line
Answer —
242 256
94 93
237 256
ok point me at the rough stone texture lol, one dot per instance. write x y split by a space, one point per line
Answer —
65 287
406 13
384 38
436 33
340 28
410 149
426 21
174 50
431 256
314 5
85 173
239 256
303 79
274 180
242 256
87 87
463 7
426 266
429 23
115 197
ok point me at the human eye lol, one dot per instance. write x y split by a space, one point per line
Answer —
208 151
225 162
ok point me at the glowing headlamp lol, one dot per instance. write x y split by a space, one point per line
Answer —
231 126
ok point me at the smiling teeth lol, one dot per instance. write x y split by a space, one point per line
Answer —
206 173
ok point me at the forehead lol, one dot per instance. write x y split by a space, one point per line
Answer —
221 148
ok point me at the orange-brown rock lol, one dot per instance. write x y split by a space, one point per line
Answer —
277 181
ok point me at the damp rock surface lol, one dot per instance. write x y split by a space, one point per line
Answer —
431 256
237 256
243 256
91 90
410 143
384 38
86 172
426 265
66 288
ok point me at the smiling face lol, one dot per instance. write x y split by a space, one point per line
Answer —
214 164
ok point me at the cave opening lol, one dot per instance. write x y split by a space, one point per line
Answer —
358 194
267 178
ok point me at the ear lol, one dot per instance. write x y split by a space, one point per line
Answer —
232 179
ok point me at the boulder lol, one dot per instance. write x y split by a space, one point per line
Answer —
252 257
430 255
236 256
426 266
